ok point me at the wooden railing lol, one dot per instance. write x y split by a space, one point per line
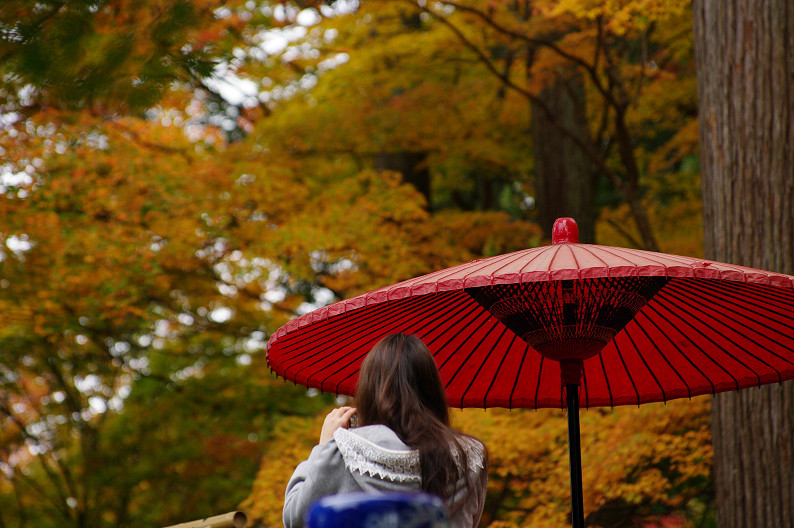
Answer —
227 520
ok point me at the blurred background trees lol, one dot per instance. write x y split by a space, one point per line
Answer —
179 178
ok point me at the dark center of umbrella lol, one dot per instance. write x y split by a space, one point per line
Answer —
568 319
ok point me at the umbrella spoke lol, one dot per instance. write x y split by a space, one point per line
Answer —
393 326
498 368
454 336
720 317
334 332
537 387
532 264
782 312
628 372
730 324
697 331
606 378
650 370
473 331
377 332
332 327
307 357
655 346
584 389
664 333
485 358
449 328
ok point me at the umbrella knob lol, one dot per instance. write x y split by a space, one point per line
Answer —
565 231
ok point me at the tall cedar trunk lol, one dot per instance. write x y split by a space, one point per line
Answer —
745 69
564 178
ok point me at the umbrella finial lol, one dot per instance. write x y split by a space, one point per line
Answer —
565 231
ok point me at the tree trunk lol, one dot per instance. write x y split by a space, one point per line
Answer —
745 74
564 176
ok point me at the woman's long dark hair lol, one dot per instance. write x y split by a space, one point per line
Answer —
399 387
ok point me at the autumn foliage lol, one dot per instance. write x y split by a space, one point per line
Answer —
641 467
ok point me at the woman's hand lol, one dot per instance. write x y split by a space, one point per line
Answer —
337 418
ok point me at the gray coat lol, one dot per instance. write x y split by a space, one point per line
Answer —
374 460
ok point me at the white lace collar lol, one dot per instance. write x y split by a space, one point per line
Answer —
368 458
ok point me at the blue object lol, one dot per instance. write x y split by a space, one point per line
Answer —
389 510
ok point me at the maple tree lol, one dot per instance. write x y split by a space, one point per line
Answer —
115 258
138 264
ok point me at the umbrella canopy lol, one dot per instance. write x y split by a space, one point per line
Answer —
635 326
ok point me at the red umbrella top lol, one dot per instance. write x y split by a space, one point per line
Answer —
631 326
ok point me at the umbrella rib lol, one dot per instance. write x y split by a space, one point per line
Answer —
465 303
363 347
382 311
433 309
639 353
485 263
743 269
551 260
515 381
628 373
705 307
473 350
341 344
723 294
497 270
619 254
575 260
499 368
766 294
654 257
678 348
432 277
706 354
431 304
460 331
530 261
540 376
606 378
783 295
420 330
338 322
594 255
584 386
372 339
661 354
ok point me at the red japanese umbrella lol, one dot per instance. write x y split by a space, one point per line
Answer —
557 325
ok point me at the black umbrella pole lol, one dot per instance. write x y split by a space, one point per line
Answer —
575 456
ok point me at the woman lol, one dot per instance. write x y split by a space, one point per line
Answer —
404 441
